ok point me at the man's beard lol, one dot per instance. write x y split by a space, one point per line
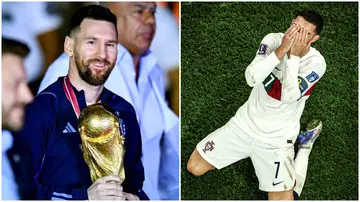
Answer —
11 122
88 76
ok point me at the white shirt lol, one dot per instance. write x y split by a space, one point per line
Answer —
159 126
25 21
9 187
165 45
280 89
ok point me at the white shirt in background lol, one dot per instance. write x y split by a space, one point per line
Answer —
9 187
25 21
165 45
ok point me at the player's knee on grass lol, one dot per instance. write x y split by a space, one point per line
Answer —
197 165
283 195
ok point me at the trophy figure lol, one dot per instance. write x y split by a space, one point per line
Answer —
102 142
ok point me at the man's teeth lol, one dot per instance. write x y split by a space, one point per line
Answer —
99 64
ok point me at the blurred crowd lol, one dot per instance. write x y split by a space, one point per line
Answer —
42 27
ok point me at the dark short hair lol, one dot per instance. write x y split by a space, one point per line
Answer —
314 18
94 12
15 47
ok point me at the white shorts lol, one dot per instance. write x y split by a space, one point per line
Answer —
274 164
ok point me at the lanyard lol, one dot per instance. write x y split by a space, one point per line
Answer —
70 95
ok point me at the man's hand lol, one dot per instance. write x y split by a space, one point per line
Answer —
131 197
300 44
106 188
287 41
289 37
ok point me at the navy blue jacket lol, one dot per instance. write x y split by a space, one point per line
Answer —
53 141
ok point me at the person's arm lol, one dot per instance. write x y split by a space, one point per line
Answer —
296 83
168 173
264 62
268 56
169 165
290 85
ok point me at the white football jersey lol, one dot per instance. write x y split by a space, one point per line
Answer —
280 88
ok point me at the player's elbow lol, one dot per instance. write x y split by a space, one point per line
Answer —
249 78
250 83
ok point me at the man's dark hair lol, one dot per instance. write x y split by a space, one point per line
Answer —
314 18
15 47
94 12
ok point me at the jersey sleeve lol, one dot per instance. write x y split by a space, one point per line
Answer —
300 82
308 77
264 61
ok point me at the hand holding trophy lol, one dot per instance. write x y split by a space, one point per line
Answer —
103 149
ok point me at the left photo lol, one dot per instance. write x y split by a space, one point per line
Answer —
90 101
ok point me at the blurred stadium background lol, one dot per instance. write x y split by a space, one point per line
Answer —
218 41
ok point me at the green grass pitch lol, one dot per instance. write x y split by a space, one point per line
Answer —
218 41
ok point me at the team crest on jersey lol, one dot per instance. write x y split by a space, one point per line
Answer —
209 146
312 77
262 49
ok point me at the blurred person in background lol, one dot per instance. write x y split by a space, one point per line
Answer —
15 95
36 23
139 80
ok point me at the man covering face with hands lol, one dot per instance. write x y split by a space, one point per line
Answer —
282 75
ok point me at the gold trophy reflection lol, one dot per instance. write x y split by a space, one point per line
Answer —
102 142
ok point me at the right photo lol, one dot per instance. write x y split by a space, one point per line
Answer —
269 101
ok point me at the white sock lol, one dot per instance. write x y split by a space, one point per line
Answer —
301 165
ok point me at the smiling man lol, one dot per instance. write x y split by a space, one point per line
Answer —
138 79
283 75
58 167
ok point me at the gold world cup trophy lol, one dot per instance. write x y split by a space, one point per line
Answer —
102 141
